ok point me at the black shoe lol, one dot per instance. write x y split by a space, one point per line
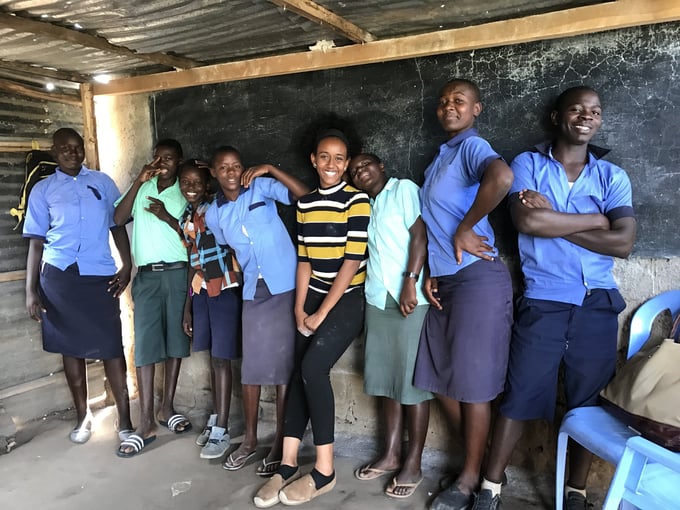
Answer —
485 500
575 501
452 499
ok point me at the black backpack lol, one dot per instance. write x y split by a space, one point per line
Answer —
39 164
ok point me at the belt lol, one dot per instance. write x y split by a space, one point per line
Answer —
162 266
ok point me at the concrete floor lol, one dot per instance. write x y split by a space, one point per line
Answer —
47 472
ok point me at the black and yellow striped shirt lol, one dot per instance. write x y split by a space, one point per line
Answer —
332 226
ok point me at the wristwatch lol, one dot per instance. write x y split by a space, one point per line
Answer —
406 274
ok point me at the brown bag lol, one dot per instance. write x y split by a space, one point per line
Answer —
645 394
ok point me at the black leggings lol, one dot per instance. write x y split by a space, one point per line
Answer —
310 394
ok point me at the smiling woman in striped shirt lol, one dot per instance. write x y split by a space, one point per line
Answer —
332 224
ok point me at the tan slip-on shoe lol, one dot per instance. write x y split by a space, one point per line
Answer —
268 495
303 490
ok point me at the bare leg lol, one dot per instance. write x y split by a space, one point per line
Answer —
76 377
147 422
476 420
507 433
115 370
251 407
213 387
476 425
391 458
277 446
417 420
221 386
172 366
291 446
324 459
454 413
579 465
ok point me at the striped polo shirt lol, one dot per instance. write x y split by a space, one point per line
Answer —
332 226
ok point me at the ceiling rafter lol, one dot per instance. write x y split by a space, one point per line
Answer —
551 25
27 25
43 72
23 90
317 13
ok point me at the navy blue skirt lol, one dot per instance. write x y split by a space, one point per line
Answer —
82 318
463 350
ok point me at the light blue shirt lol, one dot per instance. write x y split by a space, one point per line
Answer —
393 211
252 227
554 268
74 214
450 188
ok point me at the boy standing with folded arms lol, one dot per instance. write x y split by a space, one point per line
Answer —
574 214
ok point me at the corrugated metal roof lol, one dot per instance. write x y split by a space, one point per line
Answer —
207 31
387 18
212 31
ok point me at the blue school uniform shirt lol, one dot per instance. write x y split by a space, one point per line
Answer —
73 215
554 268
393 211
450 188
252 227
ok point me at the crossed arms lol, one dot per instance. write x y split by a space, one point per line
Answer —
533 214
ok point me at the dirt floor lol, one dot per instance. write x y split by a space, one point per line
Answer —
48 472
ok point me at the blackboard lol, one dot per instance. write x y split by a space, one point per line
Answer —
391 105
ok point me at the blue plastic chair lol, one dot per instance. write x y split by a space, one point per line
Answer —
593 427
648 477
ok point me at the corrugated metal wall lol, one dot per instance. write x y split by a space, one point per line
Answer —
23 120
30 380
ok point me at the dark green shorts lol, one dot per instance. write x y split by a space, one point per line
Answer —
159 303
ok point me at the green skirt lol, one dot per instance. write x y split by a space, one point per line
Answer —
390 353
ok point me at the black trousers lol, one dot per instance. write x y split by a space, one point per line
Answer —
310 394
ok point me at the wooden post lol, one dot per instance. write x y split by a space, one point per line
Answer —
89 126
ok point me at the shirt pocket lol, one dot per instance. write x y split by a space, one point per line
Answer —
587 204
64 209
259 213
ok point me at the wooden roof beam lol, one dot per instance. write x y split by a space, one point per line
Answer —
315 12
22 90
32 26
43 72
553 25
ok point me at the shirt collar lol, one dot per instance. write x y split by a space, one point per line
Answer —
221 199
64 175
461 136
594 151
332 189
391 182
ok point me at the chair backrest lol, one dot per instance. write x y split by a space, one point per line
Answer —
643 318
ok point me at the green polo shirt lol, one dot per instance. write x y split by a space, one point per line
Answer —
152 239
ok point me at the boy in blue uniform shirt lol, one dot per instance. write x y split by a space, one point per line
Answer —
574 214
